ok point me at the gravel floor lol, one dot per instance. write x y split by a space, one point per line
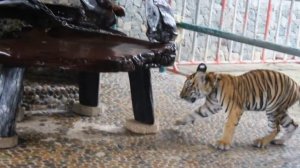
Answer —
63 139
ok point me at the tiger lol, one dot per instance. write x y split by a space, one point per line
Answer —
256 90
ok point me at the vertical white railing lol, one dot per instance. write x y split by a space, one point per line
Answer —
289 26
244 28
195 34
209 23
233 28
228 6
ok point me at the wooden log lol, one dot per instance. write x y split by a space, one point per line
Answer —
11 79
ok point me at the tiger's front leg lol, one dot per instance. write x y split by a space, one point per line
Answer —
205 110
232 121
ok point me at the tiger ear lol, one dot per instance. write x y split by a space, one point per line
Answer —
212 78
201 68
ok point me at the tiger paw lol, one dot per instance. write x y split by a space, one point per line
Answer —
277 142
223 145
260 143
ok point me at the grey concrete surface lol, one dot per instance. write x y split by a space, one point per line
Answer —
63 139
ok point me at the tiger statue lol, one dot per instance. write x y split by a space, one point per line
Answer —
257 90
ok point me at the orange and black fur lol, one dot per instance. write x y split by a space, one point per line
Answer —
258 90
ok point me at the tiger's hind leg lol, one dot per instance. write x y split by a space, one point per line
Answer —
289 128
273 124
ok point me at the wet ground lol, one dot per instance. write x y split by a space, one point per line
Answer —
63 139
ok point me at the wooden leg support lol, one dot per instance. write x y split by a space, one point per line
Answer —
142 102
10 95
88 94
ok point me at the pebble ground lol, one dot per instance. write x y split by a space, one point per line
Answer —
62 139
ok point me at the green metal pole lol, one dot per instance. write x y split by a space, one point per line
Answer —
242 39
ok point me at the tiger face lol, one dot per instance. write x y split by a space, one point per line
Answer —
198 85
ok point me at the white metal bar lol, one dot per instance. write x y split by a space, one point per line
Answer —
195 33
244 28
267 27
289 26
233 28
209 23
224 4
256 27
181 33
298 37
278 27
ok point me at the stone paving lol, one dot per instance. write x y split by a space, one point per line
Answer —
63 139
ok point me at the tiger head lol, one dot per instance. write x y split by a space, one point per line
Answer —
199 84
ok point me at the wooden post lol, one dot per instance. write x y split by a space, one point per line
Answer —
11 79
88 94
142 103
89 88
141 95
